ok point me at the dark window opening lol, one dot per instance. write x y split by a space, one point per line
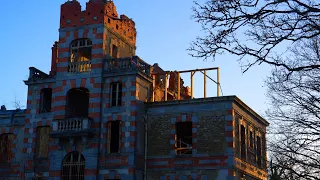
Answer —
263 152
251 152
77 103
45 100
183 138
114 136
42 142
117 27
114 52
102 12
116 94
243 142
109 20
259 152
73 167
6 141
251 139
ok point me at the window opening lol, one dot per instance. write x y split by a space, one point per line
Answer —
114 52
251 151
45 100
243 141
43 139
73 166
77 103
263 151
6 141
183 138
259 151
81 54
114 130
251 139
116 94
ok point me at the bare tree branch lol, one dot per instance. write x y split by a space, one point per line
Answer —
255 29
295 113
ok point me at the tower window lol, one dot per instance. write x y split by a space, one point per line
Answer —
45 100
81 50
183 138
116 94
109 20
114 131
117 27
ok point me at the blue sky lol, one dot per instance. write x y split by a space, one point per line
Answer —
165 30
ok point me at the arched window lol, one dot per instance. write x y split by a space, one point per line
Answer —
81 50
77 103
73 166
80 55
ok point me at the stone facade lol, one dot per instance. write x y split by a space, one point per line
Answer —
101 114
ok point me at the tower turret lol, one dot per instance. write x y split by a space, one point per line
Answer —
87 36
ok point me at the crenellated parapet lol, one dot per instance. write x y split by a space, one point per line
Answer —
98 12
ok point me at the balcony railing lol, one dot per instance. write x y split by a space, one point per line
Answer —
129 64
72 124
71 127
78 67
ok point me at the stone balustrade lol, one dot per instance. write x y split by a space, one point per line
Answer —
77 67
72 124
128 64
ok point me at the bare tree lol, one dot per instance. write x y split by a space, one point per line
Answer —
295 113
16 103
255 29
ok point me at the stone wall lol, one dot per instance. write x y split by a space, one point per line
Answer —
211 140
